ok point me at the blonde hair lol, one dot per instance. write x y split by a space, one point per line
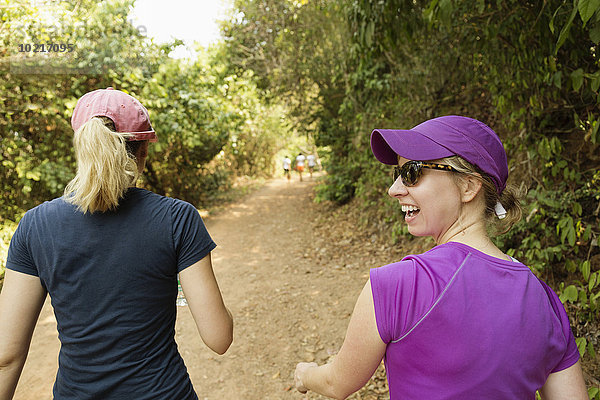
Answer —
106 167
509 198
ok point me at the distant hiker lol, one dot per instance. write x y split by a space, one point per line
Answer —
463 320
310 160
300 164
108 254
287 166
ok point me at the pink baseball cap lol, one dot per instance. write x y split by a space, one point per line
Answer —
442 137
127 113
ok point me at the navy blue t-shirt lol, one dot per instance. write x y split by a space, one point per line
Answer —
112 281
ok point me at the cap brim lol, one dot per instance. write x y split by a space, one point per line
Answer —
147 135
388 144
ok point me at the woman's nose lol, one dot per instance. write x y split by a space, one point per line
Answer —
397 189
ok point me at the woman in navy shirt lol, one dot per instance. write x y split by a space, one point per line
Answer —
108 255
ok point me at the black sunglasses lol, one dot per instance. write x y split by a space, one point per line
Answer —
411 171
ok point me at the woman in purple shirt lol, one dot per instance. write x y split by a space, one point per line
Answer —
462 320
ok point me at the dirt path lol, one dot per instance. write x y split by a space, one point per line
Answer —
290 279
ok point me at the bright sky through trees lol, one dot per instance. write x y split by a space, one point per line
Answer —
190 21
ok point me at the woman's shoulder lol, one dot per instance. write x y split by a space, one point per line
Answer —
140 194
58 204
411 259
434 267
180 209
445 254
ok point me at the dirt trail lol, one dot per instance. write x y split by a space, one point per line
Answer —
289 278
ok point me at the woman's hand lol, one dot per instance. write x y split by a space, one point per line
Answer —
357 360
300 370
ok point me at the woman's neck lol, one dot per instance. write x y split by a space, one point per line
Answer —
474 235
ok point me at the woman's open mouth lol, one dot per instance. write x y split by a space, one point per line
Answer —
411 211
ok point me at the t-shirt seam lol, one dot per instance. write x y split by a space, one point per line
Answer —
33 269
379 300
21 269
204 252
566 363
437 301
556 313
171 234
497 262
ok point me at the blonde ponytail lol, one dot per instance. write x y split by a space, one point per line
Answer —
105 167
510 200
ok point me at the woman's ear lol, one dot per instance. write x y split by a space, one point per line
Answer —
140 156
142 151
471 185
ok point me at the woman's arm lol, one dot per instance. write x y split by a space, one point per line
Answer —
357 360
567 384
202 293
21 300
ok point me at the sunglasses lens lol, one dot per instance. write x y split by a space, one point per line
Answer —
410 172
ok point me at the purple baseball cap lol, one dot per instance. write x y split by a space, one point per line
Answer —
127 113
441 137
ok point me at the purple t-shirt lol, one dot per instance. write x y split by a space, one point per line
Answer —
460 324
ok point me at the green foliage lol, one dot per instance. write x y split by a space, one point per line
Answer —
38 91
193 123
276 40
212 124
